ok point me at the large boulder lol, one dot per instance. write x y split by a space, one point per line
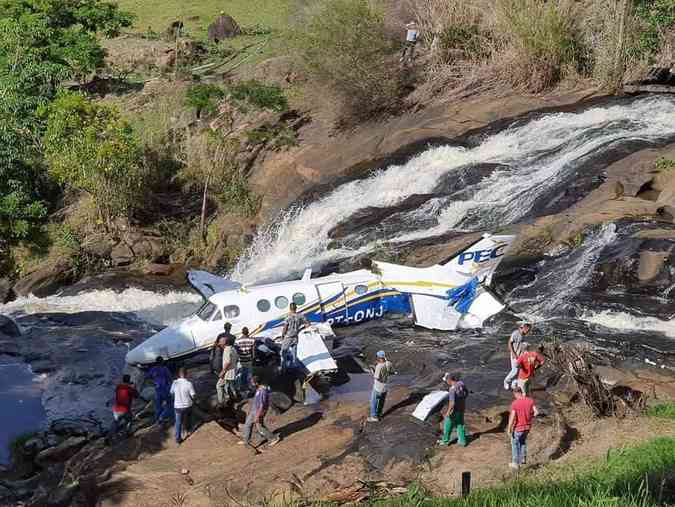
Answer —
61 452
45 280
224 27
8 327
122 255
6 292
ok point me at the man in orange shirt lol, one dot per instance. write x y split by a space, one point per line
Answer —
528 363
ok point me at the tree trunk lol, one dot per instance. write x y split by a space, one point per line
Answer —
202 225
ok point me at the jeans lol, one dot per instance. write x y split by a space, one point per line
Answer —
260 427
519 447
225 389
163 405
512 374
244 378
454 420
377 400
183 418
121 420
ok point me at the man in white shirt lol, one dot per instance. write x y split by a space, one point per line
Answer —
411 35
183 397
379 395
228 374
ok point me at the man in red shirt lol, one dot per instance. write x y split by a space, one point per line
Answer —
523 410
125 393
528 363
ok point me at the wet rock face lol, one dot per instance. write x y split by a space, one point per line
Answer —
61 452
8 327
46 280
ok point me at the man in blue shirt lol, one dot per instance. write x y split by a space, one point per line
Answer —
256 415
162 378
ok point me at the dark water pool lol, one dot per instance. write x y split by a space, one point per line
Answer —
21 402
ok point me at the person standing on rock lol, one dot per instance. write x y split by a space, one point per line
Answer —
161 378
289 334
528 363
216 354
515 349
125 393
454 416
225 388
381 372
245 347
183 395
258 408
523 410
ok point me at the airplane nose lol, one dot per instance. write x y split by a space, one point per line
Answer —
134 356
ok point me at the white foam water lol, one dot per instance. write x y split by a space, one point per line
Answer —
539 155
151 307
622 321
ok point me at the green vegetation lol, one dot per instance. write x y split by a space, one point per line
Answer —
663 410
545 37
90 148
343 43
664 164
657 16
276 137
633 477
260 95
203 98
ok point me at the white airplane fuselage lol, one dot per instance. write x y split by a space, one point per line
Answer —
336 300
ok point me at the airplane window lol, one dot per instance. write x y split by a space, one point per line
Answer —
281 302
231 311
264 305
361 289
206 311
218 316
299 298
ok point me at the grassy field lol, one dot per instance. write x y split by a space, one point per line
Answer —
198 14
641 476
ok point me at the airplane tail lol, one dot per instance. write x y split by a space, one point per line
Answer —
479 260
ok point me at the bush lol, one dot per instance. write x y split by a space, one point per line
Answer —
663 410
260 95
657 16
203 98
343 43
90 148
276 137
545 38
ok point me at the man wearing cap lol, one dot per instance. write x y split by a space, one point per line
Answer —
454 417
515 349
380 376
523 410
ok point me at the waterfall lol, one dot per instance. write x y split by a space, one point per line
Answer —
535 159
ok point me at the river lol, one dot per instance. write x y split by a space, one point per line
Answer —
538 165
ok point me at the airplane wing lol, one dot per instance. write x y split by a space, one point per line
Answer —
313 353
429 403
208 284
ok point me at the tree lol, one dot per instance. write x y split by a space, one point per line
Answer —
89 147
42 44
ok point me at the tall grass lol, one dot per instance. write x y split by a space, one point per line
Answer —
663 410
642 476
545 40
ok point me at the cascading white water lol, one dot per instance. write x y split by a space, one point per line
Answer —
152 307
539 155
551 293
626 322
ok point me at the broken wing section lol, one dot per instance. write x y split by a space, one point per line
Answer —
208 284
435 312
312 351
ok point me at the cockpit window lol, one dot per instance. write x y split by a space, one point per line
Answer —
281 302
264 305
231 311
217 316
361 289
299 298
206 311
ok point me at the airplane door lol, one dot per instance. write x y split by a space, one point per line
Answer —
333 304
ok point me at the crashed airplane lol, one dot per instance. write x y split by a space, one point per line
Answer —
447 296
